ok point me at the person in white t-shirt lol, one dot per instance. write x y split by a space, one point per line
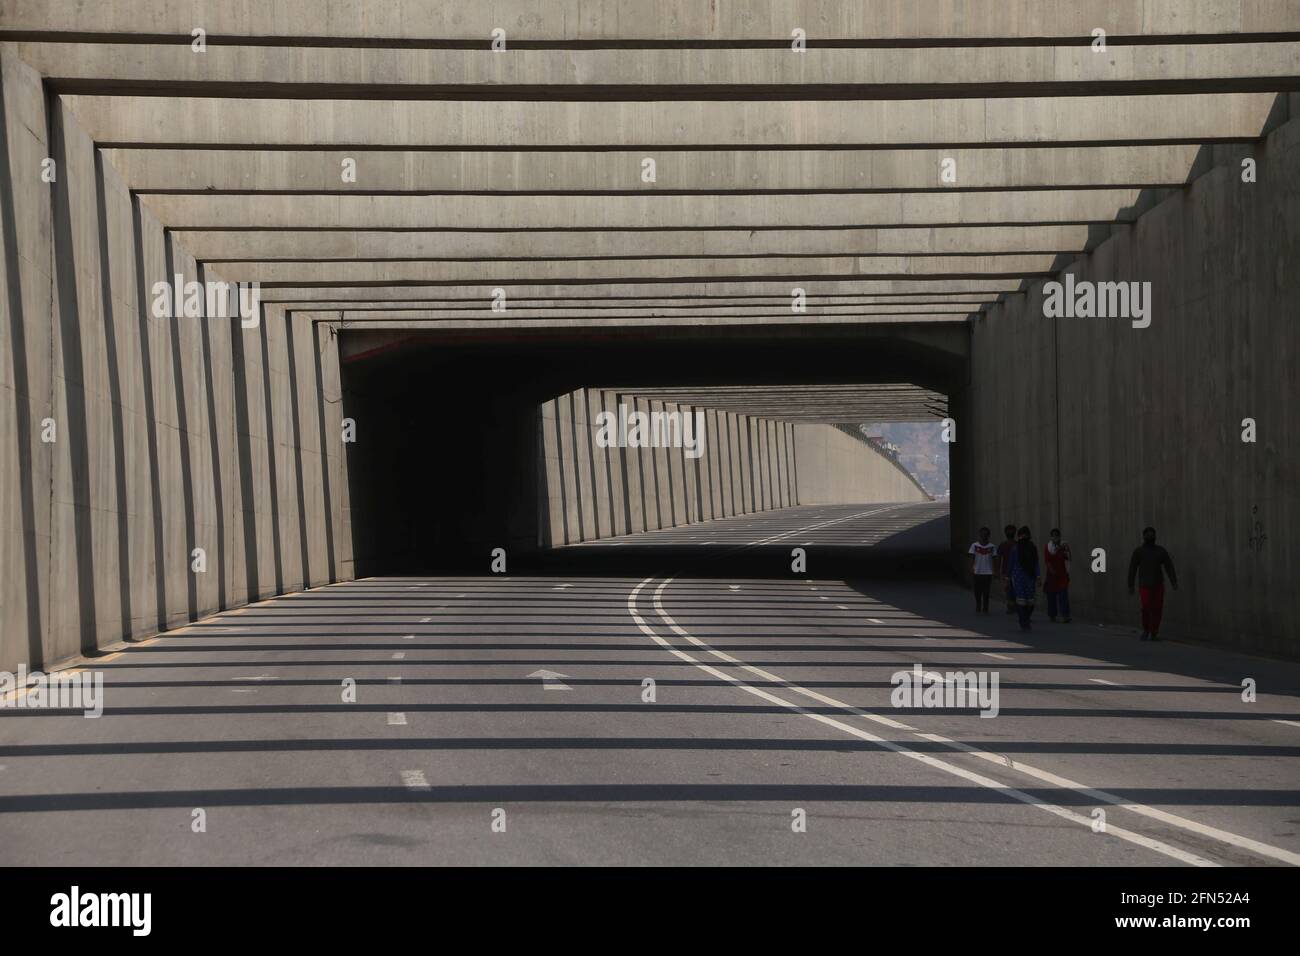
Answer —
982 553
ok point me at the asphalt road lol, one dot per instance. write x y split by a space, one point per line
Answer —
522 701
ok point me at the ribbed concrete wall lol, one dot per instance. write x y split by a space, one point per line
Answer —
589 492
749 464
1102 429
172 434
837 468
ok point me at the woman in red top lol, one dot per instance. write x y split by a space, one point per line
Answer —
1056 582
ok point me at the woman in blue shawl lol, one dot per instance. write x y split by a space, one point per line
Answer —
1024 575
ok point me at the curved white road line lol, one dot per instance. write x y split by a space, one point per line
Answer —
1191 826
935 762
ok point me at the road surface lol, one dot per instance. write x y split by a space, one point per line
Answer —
509 719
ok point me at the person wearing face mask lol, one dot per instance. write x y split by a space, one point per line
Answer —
1056 582
1148 566
982 553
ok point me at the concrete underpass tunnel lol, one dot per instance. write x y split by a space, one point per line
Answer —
467 442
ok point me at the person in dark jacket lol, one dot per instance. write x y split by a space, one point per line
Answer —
1148 566
1024 575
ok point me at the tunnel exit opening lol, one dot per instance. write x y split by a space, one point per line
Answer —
535 442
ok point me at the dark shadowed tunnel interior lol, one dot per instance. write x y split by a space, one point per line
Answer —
448 461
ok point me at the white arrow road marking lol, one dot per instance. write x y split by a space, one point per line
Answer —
395 680
414 780
997 657
551 680
1108 683
934 675
399 655
734 587
1183 823
561 587
258 677
425 620
408 637
397 719
1289 723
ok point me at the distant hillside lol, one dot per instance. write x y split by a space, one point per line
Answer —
921 451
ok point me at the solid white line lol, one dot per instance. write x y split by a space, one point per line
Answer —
395 680
414 780
1289 723
397 719
1192 826
824 524
1108 683
875 620
861 734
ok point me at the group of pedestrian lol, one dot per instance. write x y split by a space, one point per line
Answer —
1016 563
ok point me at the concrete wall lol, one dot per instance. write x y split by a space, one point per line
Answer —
169 434
749 464
838 468
1102 428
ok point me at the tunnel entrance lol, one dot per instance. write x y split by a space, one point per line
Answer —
466 442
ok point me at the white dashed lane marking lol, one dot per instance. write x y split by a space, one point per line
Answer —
414 780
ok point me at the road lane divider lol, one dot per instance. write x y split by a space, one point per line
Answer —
1183 823
970 776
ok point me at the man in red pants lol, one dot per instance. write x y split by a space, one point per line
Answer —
1148 565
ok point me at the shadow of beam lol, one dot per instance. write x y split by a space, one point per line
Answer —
616 793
